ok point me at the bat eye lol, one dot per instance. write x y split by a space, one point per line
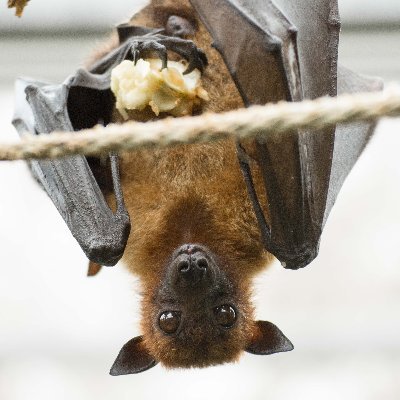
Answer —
169 321
178 26
225 315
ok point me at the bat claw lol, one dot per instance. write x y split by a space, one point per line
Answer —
136 56
163 54
140 47
195 56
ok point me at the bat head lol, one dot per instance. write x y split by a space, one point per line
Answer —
199 316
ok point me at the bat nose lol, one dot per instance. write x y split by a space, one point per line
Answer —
193 262
192 268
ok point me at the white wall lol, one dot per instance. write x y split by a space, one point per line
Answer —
67 14
370 11
94 14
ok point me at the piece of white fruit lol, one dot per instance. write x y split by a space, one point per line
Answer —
165 90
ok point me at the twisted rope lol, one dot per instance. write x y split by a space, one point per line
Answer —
244 123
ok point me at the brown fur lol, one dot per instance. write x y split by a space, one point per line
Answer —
192 194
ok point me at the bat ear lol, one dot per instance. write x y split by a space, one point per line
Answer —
268 339
132 359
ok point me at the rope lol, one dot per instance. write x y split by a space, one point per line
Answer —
244 123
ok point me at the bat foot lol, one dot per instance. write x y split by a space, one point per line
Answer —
160 44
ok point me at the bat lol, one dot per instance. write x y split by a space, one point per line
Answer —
206 217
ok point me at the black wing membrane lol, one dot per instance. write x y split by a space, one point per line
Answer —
287 50
350 139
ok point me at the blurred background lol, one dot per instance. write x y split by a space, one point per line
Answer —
60 331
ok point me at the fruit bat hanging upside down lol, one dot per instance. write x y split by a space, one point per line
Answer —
206 218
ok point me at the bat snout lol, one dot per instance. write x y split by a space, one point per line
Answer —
192 266
192 269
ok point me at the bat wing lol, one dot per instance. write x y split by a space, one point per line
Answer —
287 50
80 102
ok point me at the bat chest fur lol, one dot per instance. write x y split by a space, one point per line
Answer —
187 194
